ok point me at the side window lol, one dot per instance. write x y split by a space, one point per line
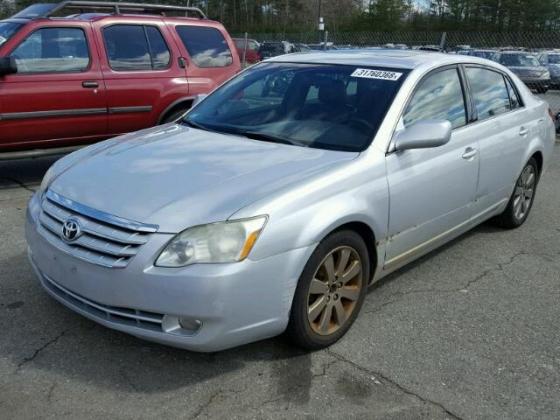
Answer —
53 50
206 46
135 47
438 97
490 93
513 95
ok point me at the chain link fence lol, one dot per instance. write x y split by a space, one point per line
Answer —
534 57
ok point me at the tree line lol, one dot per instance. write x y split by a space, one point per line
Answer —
290 16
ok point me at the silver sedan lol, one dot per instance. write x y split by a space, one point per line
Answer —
278 199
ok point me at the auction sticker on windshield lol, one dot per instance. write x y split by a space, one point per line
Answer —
377 74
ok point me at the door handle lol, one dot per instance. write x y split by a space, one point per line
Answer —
90 84
469 153
523 132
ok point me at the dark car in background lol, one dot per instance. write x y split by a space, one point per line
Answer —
272 49
551 60
527 68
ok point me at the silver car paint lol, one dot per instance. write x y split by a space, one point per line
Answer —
412 201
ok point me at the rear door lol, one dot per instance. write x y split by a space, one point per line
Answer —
504 128
432 190
57 95
142 72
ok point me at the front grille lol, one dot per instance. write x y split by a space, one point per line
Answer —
102 242
131 317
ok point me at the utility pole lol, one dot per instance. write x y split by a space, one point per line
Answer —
321 22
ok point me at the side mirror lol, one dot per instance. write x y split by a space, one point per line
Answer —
423 135
198 98
7 66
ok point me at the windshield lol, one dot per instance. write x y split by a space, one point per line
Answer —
519 60
7 29
554 58
334 107
483 54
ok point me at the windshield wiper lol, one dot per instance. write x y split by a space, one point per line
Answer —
256 135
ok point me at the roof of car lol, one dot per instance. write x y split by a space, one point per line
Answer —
403 59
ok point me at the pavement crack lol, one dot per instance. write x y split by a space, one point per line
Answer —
498 268
200 411
39 350
394 384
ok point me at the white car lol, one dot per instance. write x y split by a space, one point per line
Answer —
279 198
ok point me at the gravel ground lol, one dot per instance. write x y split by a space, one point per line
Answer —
470 331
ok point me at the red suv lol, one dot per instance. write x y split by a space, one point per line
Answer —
106 69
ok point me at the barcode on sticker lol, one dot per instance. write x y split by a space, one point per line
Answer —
377 74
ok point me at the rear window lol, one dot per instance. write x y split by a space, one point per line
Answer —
206 46
136 47
7 29
490 92
519 60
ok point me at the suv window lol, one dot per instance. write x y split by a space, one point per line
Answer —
438 97
136 47
206 46
488 87
53 50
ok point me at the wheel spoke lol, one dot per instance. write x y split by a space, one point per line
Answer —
343 261
518 191
316 309
530 180
340 313
354 270
325 321
349 293
529 193
525 205
329 268
318 287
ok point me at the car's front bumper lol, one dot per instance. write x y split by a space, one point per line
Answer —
235 303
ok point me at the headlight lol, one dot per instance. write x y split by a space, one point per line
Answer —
214 243
47 178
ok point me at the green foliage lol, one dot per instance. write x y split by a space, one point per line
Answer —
284 16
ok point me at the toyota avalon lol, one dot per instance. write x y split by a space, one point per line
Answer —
279 198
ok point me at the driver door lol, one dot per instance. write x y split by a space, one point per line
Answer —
432 190
58 93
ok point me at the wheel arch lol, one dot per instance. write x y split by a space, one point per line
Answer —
185 102
367 234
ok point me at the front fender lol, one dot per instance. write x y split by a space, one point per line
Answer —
301 216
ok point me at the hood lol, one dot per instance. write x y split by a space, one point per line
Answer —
177 177
528 71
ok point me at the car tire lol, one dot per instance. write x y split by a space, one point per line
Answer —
522 198
335 279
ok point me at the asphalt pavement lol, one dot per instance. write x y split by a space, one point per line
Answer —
471 331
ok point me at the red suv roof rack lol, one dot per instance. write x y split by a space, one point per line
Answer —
120 8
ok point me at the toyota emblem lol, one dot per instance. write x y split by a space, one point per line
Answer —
71 229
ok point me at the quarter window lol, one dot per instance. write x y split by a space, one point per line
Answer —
438 97
53 50
136 48
490 93
206 46
513 96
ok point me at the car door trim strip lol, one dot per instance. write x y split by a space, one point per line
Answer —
52 114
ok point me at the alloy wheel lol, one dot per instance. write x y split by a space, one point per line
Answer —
334 290
524 192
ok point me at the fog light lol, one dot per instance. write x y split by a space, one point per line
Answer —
190 324
180 325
